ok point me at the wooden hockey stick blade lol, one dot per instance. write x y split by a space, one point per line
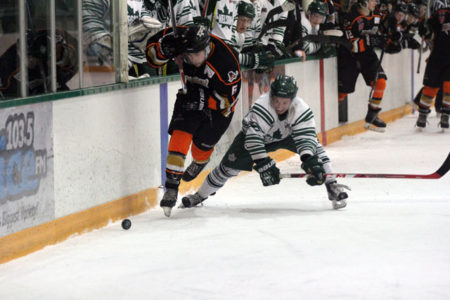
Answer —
436 175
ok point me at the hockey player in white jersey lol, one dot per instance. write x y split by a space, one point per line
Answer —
98 32
277 120
259 58
222 15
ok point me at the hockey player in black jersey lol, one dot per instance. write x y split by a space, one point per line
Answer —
437 71
203 112
361 29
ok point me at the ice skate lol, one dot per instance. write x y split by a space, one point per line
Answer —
193 170
422 119
444 121
192 200
373 122
168 201
336 194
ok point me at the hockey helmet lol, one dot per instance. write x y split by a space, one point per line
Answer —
413 10
401 7
246 9
318 7
284 86
197 37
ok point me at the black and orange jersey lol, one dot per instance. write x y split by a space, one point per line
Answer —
219 76
357 27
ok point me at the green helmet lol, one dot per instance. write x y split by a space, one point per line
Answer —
284 86
246 9
318 7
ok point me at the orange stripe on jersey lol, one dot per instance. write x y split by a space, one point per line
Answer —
212 104
362 48
220 78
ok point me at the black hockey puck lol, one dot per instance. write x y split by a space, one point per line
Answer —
126 224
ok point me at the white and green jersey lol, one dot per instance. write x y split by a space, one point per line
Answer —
224 20
274 35
184 10
96 19
308 29
263 126
136 10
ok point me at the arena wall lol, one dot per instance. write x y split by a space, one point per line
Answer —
107 152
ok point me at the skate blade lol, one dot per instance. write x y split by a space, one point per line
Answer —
167 211
339 204
374 128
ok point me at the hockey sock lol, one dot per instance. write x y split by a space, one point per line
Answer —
199 155
428 94
378 93
178 148
216 179
342 96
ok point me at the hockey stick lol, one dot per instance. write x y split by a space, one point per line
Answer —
176 34
331 37
285 7
436 175
427 15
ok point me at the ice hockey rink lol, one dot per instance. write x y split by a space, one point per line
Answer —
392 241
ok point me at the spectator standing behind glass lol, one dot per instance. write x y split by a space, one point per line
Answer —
38 53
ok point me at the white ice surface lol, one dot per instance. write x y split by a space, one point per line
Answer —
392 241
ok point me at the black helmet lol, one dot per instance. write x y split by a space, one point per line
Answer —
401 7
284 86
413 10
197 37
246 9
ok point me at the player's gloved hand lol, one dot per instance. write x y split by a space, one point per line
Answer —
425 30
411 43
268 171
193 100
263 60
314 168
374 40
172 46
393 47
396 36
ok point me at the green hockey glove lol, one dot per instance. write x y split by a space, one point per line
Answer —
268 171
314 168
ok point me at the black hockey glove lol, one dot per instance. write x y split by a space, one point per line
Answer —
314 168
411 43
393 47
172 46
375 40
268 171
263 60
194 99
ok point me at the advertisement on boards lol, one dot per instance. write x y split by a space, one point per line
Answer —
26 167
